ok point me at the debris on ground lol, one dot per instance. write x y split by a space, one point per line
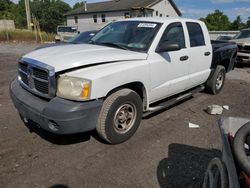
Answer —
226 107
1 105
193 126
214 110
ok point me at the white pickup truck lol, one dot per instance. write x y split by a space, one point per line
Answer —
130 68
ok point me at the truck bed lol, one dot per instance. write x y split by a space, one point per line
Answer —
216 44
224 53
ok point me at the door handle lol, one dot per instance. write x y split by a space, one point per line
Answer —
207 53
184 58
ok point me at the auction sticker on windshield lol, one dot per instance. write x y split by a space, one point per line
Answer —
147 25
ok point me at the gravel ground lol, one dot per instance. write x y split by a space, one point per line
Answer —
17 48
163 153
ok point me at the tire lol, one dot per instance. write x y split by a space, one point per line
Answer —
120 116
218 171
240 139
216 82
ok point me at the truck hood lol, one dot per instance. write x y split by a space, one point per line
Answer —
77 55
245 41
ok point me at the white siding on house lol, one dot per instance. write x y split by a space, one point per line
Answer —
164 8
86 21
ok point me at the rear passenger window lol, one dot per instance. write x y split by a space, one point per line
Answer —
195 34
174 34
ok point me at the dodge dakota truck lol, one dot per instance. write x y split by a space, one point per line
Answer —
131 68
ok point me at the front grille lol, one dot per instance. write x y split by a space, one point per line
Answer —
37 79
23 67
247 48
244 49
42 87
42 74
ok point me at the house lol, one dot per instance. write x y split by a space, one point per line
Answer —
93 16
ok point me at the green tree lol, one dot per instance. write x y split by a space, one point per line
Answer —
78 5
237 24
217 21
5 9
5 5
49 13
248 23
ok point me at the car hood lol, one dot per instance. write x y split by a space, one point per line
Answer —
242 41
72 56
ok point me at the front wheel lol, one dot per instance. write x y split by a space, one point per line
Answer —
216 82
120 116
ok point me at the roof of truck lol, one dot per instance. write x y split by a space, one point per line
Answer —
161 19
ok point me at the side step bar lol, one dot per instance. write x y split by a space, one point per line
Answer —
173 101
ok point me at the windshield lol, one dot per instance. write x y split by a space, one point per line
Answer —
66 29
83 37
243 34
129 35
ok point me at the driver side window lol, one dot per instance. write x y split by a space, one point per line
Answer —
174 34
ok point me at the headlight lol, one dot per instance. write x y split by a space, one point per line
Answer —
73 88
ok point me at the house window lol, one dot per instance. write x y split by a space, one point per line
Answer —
103 18
156 13
160 15
126 15
76 19
95 18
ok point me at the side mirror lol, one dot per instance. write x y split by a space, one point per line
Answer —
167 47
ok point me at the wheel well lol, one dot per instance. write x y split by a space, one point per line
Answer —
138 87
225 63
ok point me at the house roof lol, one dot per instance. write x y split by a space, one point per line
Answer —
118 5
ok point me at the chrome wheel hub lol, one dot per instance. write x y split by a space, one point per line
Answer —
125 118
219 81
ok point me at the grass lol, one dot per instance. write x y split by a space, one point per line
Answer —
20 35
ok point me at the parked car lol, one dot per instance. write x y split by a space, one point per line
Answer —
81 38
64 33
243 42
132 68
224 38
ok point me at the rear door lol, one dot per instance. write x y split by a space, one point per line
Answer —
169 70
200 53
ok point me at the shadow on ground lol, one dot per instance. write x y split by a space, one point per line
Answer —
185 166
62 139
242 65
59 186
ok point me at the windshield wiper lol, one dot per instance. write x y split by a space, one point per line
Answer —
110 44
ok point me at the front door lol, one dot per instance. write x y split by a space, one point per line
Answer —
169 70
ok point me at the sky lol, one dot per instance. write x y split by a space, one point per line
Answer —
200 8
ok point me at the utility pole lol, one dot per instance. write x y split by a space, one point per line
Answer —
27 8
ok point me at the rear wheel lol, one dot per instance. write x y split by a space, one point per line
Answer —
120 116
215 83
